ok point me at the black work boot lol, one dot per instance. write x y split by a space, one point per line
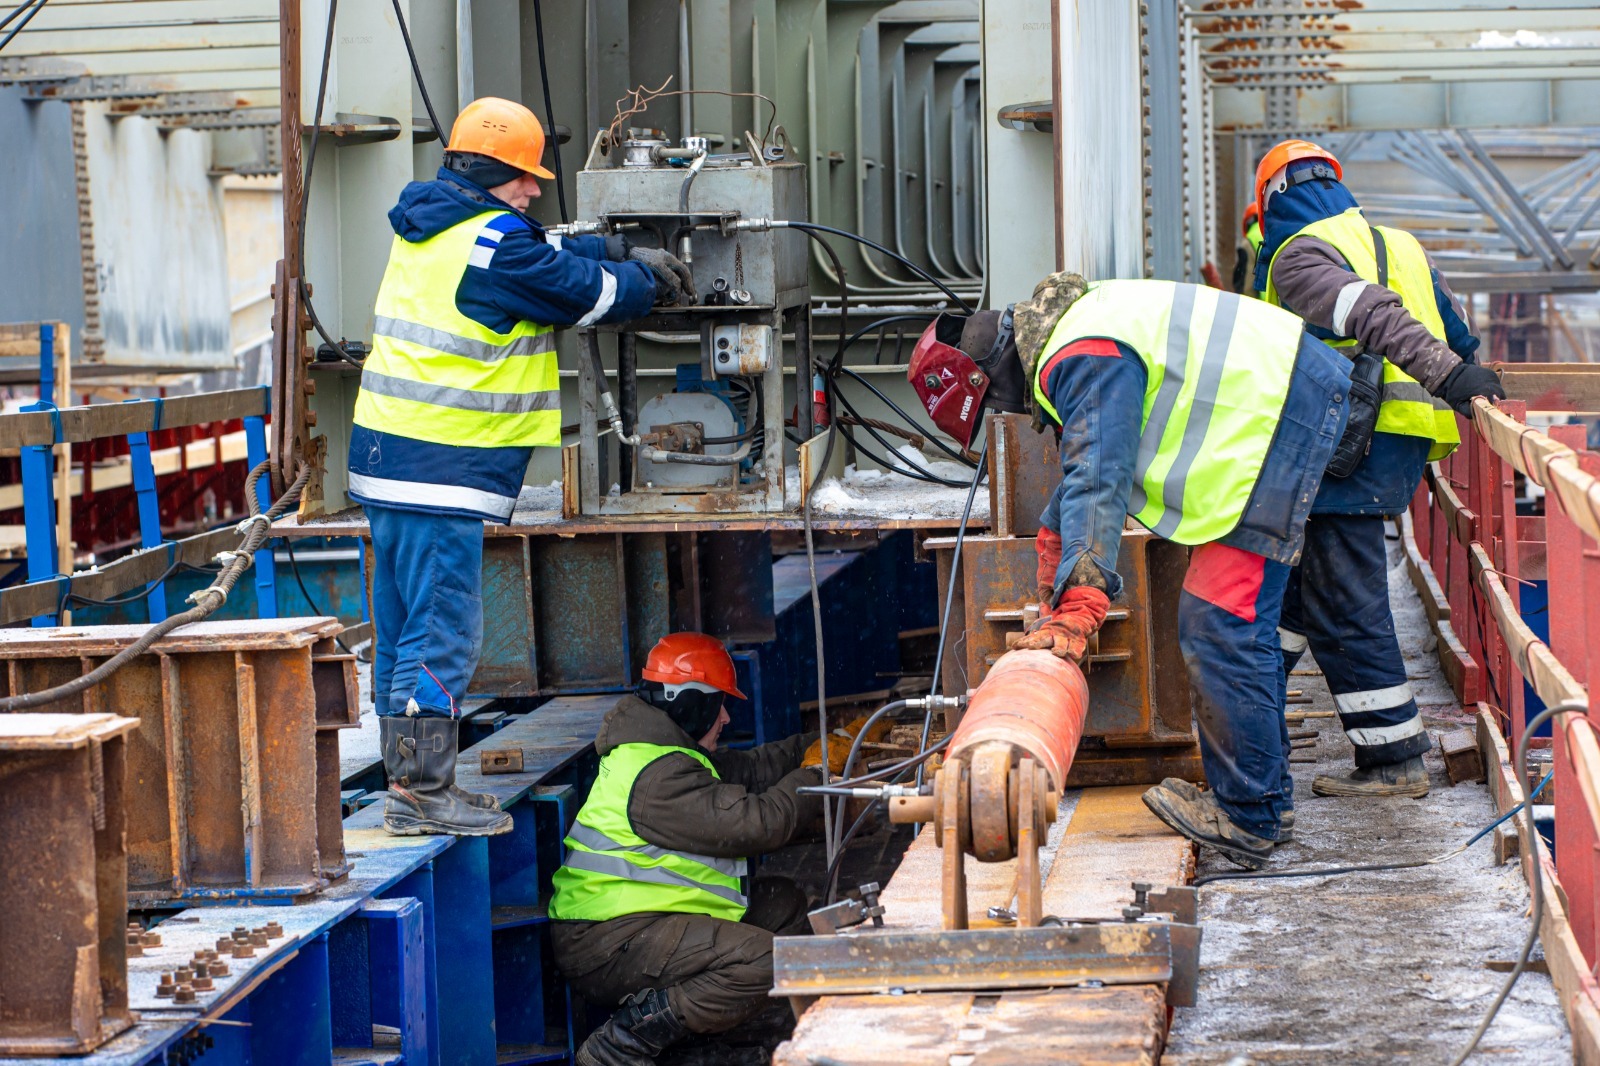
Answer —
643 1028
1193 792
1409 778
1203 822
419 755
481 800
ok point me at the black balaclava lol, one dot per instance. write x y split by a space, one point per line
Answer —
482 171
694 711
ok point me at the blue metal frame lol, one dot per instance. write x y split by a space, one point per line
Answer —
39 509
255 442
144 490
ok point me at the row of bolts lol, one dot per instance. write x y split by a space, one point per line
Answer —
181 985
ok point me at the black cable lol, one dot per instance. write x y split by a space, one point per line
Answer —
549 109
19 9
909 265
909 470
25 20
416 72
305 191
1536 872
932 438
950 593
294 564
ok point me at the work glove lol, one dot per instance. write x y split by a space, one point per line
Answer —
839 742
1468 381
674 283
1048 546
617 248
1065 633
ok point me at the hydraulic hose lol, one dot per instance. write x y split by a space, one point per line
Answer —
205 601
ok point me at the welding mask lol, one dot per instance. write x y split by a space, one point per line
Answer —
963 364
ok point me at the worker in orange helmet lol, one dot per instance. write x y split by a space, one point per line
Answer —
654 908
1244 262
1373 294
460 387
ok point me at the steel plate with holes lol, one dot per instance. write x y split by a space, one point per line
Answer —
990 959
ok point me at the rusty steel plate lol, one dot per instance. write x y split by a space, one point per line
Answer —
1131 953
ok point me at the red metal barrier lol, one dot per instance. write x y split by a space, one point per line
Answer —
1470 555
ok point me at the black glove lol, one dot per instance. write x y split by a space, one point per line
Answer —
1468 381
674 283
617 248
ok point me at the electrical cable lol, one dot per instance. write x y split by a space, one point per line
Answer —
1535 867
859 239
811 552
305 192
19 26
19 9
907 471
416 72
549 109
294 564
206 600
933 439
950 593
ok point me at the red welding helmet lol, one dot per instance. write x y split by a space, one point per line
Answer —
963 364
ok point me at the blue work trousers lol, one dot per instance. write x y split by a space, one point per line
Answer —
1228 632
1337 602
427 610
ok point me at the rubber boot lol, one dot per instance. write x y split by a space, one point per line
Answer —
419 755
643 1028
1203 822
1409 778
481 800
1193 792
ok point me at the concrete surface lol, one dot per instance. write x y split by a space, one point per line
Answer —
1369 968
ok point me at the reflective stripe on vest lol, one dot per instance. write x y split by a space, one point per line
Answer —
1408 409
1217 372
436 375
611 871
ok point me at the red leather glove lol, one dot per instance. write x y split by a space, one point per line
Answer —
1048 545
1065 634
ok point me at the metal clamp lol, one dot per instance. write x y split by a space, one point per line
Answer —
849 912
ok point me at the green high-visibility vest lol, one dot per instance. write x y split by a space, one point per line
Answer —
1253 236
1408 409
1217 370
436 375
611 871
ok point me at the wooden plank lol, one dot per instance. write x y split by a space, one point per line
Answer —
1112 841
91 422
244 634
53 732
1570 387
1575 983
1119 1026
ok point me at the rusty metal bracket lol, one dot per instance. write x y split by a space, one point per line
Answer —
980 960
1180 901
849 912
500 761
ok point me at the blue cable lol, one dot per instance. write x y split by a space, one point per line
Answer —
1486 830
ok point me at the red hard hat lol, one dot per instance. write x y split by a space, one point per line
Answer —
678 658
1281 155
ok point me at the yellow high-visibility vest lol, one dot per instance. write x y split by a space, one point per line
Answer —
1408 409
1217 372
436 375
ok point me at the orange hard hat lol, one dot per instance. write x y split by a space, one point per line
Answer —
682 657
503 130
1281 155
1252 213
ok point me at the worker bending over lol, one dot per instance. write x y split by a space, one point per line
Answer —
654 908
1373 290
1210 418
459 389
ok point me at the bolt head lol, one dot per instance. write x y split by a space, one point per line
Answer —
931 381
975 379
218 968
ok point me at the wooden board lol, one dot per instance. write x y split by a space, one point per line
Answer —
247 634
1082 1026
1576 985
58 732
1109 840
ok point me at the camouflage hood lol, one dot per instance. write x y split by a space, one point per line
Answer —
1036 319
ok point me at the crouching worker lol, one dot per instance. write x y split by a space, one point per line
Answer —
654 908
1208 417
